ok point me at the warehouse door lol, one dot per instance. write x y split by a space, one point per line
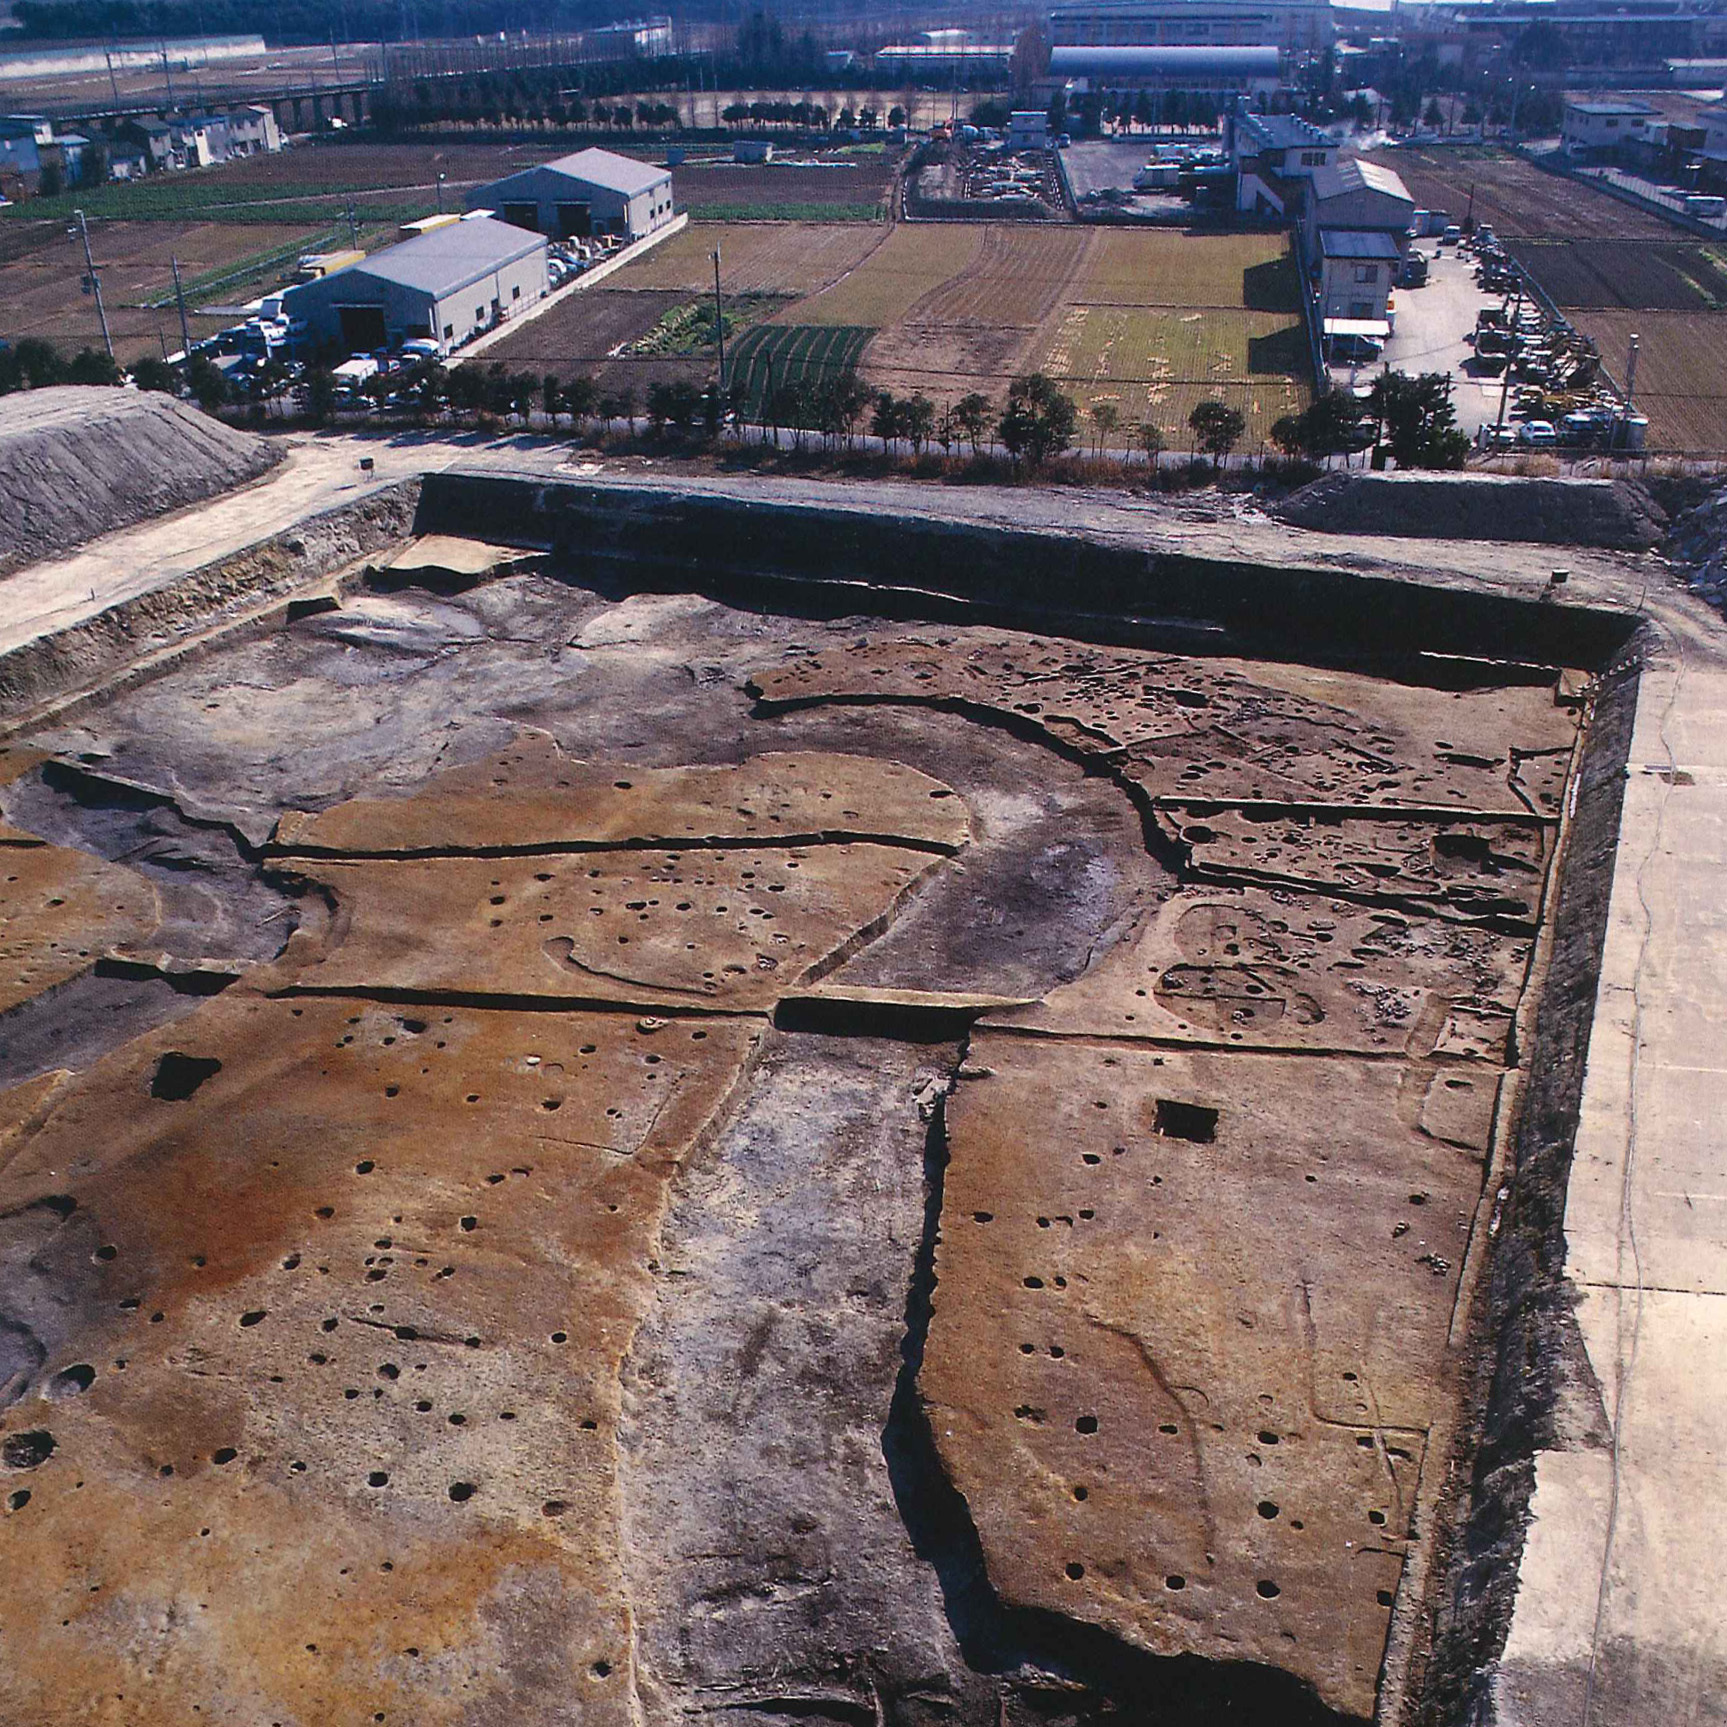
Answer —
362 328
575 222
523 216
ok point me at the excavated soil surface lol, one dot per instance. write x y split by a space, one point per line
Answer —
78 461
576 1158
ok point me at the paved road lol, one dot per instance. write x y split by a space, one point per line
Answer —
1619 1620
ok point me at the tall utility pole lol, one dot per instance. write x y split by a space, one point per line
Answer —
719 321
94 282
180 301
353 228
113 82
167 76
440 191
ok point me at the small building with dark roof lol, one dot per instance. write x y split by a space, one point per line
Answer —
591 192
1357 271
447 286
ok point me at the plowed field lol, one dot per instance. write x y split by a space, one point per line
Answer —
1681 372
1637 274
764 258
1518 199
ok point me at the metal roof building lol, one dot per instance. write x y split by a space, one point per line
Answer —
590 192
1354 245
1170 68
1296 25
446 286
1380 192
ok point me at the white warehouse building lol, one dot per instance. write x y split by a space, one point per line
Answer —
447 286
591 192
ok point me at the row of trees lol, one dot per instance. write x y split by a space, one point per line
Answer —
1412 417
809 116
34 365
1039 421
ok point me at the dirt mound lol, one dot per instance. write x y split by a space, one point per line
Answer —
1617 514
80 461
1698 548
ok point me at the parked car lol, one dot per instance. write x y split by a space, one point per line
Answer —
1537 435
1355 350
1451 235
1497 437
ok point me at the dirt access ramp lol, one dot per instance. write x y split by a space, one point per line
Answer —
82 460
1618 515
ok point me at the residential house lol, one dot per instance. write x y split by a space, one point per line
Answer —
252 131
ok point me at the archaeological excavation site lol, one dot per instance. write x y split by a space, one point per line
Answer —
626 1106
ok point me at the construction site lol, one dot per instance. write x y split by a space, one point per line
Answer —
630 1098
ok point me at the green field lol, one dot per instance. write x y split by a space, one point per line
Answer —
792 212
774 355
687 332
188 198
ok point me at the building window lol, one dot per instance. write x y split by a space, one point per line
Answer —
1313 158
479 314
449 332
1361 308
1367 272
515 293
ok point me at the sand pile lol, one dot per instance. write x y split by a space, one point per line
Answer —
80 461
1616 514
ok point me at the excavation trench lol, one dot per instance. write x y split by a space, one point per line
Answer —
912 1229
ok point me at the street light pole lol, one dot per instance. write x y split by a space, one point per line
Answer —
82 232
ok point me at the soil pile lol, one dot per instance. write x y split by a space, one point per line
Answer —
1698 548
80 461
1616 514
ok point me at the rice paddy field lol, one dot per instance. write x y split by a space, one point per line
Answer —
1149 321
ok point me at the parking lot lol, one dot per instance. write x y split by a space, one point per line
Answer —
1432 325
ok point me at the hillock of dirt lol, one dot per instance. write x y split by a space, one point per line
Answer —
1698 548
79 461
1618 515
